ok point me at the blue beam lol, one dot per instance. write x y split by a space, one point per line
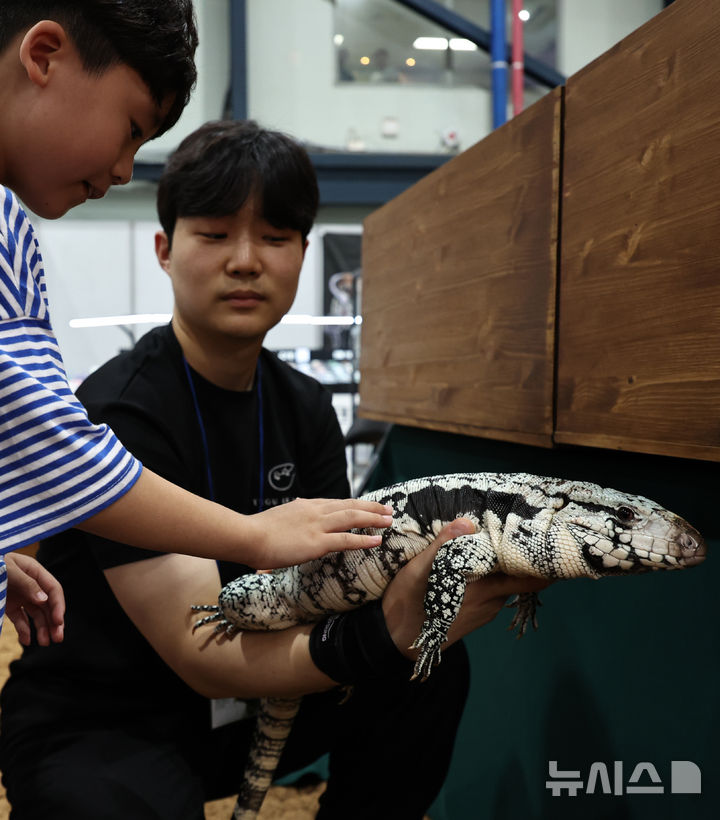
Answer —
238 59
432 10
370 179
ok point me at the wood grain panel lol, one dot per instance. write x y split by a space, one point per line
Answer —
459 289
639 317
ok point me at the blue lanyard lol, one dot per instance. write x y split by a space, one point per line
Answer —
203 435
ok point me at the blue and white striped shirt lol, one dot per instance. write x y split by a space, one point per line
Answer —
56 467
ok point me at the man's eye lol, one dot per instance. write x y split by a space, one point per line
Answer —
276 239
210 235
135 131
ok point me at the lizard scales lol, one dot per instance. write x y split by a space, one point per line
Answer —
526 525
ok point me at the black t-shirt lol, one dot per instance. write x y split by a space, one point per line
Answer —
105 672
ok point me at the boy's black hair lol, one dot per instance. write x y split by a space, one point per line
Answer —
216 168
156 38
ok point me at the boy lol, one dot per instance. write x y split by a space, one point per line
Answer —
82 86
125 729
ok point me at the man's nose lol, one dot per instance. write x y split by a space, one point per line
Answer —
244 258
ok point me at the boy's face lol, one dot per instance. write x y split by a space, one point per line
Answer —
234 277
81 131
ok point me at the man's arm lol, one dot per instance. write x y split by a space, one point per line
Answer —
157 593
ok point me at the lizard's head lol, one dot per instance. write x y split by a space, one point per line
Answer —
618 533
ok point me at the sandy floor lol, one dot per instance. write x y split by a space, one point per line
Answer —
281 803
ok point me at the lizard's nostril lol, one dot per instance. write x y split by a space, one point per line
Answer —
693 549
687 542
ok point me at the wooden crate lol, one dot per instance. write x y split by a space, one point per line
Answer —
459 289
639 302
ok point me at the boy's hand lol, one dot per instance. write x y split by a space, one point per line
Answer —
309 528
403 599
32 592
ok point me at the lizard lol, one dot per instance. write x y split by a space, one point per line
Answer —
526 525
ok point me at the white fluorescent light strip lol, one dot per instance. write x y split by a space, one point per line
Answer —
114 321
162 318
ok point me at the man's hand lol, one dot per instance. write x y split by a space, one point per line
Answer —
403 600
34 593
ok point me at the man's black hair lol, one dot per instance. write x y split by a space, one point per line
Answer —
216 168
156 38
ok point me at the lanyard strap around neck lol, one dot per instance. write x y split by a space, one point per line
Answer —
203 434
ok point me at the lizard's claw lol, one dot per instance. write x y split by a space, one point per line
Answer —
526 603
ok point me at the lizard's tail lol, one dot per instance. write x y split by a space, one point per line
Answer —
274 722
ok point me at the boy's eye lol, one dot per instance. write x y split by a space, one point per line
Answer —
135 131
275 239
210 235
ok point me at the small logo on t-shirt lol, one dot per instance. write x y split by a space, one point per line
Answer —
282 477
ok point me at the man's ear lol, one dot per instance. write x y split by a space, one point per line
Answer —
40 48
162 250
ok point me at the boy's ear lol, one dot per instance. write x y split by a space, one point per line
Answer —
39 49
162 250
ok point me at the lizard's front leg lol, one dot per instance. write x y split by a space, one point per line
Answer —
464 559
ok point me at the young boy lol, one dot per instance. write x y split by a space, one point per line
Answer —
82 86
116 722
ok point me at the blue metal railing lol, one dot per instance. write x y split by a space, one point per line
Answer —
498 62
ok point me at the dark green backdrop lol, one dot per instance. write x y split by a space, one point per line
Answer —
624 669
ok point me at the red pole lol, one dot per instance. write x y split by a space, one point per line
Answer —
518 67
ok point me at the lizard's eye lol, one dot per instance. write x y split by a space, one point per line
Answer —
625 515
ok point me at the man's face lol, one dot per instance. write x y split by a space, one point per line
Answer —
234 277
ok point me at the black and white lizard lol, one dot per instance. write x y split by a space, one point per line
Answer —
526 525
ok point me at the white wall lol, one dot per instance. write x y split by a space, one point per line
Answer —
291 74
588 28
213 65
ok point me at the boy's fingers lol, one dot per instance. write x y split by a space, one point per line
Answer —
22 626
23 585
343 518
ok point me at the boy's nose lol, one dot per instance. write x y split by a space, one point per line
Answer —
122 171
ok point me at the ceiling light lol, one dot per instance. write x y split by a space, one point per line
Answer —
431 44
460 44
524 15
